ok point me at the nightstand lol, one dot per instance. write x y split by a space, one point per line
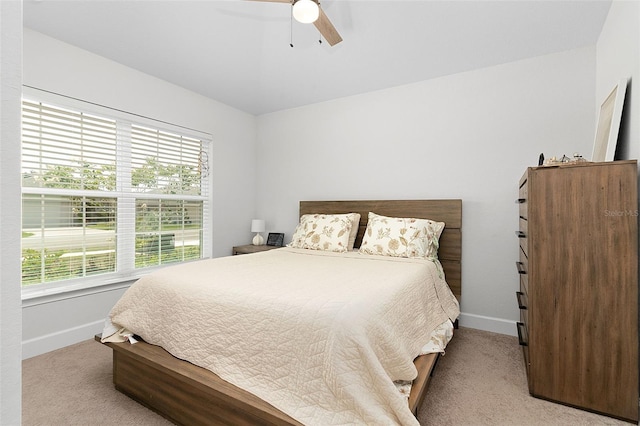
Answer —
250 248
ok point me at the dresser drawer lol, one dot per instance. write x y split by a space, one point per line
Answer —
523 334
522 232
524 248
523 339
522 209
523 300
525 353
523 263
524 318
523 267
523 271
523 305
523 241
524 225
523 196
523 191
524 285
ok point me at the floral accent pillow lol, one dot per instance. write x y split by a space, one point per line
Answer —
327 232
401 237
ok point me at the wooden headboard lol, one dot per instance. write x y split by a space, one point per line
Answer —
447 211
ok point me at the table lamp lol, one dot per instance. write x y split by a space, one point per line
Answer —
257 226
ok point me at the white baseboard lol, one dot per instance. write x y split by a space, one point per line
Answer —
494 325
60 339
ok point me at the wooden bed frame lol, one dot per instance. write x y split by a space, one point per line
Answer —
190 395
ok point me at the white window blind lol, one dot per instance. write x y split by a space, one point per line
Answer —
168 229
67 149
106 195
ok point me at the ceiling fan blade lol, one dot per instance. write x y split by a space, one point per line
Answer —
326 28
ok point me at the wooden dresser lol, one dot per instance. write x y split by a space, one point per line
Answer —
578 293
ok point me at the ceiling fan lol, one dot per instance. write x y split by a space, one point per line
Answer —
309 11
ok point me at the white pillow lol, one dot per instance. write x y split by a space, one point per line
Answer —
401 237
328 232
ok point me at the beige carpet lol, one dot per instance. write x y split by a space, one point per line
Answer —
480 381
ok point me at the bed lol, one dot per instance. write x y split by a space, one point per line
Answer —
188 394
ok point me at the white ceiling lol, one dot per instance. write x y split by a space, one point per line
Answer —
237 52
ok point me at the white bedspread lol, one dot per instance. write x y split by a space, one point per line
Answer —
321 336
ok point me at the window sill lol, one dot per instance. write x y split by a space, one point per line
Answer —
40 296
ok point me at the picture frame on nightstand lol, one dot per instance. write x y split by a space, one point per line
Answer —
275 239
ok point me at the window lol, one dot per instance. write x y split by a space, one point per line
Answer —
167 229
107 194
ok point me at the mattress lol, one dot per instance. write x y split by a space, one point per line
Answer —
321 336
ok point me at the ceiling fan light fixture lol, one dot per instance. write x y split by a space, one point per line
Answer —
306 11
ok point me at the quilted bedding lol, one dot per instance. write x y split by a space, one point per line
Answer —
321 336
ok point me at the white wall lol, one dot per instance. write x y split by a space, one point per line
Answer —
618 56
467 136
10 319
58 67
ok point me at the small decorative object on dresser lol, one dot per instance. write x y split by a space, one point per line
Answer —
578 293
250 248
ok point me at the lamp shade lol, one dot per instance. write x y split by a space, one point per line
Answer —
306 11
257 225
